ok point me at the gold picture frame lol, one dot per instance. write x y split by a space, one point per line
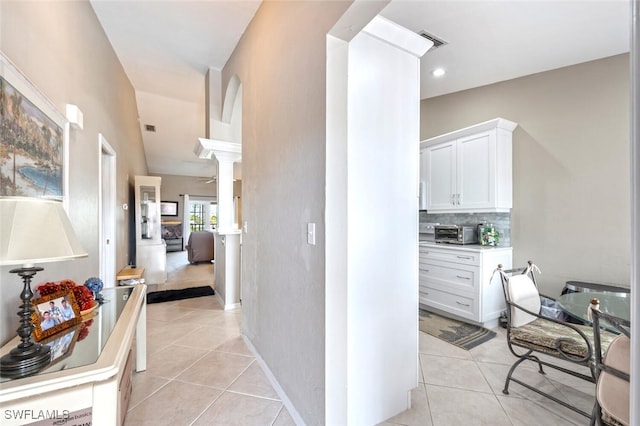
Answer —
53 313
38 159
62 344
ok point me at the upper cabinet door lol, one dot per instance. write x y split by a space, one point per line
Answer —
441 176
476 176
469 170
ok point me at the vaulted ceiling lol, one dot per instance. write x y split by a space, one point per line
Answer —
166 47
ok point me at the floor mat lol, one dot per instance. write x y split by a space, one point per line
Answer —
185 293
461 334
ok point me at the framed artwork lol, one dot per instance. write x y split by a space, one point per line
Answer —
53 313
62 344
169 208
33 139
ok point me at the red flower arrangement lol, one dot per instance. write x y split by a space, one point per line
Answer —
83 295
84 331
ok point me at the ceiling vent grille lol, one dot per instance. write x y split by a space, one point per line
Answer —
150 128
436 41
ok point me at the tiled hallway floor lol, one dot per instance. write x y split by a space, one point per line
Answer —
200 372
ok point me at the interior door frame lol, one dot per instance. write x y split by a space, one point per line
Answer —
106 211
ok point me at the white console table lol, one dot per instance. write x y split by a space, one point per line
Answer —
91 383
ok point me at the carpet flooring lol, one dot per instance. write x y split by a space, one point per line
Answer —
461 334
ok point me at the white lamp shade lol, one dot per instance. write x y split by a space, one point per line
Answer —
35 230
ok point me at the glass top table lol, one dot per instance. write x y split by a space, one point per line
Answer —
82 344
576 304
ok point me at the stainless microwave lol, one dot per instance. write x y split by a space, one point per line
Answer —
456 234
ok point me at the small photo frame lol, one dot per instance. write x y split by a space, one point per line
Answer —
169 208
62 344
53 313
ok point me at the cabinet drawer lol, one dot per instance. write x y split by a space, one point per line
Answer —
450 276
461 305
464 257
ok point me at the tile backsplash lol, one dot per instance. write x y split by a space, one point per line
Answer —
500 221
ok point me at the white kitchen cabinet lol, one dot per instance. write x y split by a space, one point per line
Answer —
457 281
422 197
470 170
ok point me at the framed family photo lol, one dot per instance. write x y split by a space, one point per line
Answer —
53 313
61 344
33 139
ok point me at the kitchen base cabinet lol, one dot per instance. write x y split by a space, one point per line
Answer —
457 281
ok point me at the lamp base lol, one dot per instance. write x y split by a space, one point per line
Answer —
22 362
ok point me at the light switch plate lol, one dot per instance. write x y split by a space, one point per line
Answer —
311 233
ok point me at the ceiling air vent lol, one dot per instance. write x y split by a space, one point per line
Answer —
150 128
436 41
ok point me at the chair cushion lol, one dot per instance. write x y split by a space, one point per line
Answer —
543 334
613 392
522 291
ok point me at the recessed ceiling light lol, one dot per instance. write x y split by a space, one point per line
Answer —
438 72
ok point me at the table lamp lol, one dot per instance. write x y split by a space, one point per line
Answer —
32 230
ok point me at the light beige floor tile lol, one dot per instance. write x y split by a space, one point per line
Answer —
166 312
242 410
175 404
145 384
207 338
523 412
495 350
433 346
212 318
419 414
452 372
452 407
216 369
496 374
172 360
172 332
254 382
204 302
284 418
580 398
235 345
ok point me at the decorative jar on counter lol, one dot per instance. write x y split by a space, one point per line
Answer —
488 235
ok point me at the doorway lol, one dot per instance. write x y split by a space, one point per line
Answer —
106 209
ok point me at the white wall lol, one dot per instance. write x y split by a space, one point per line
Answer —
372 225
570 165
62 49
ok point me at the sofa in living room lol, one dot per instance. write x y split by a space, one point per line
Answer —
200 247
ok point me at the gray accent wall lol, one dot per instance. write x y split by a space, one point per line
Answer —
62 49
571 169
281 63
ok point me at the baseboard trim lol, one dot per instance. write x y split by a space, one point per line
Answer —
276 386
229 306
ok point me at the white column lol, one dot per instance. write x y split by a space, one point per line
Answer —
227 236
369 380
225 190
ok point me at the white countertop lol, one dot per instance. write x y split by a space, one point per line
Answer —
464 247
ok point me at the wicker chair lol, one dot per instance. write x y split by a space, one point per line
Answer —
612 371
531 335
